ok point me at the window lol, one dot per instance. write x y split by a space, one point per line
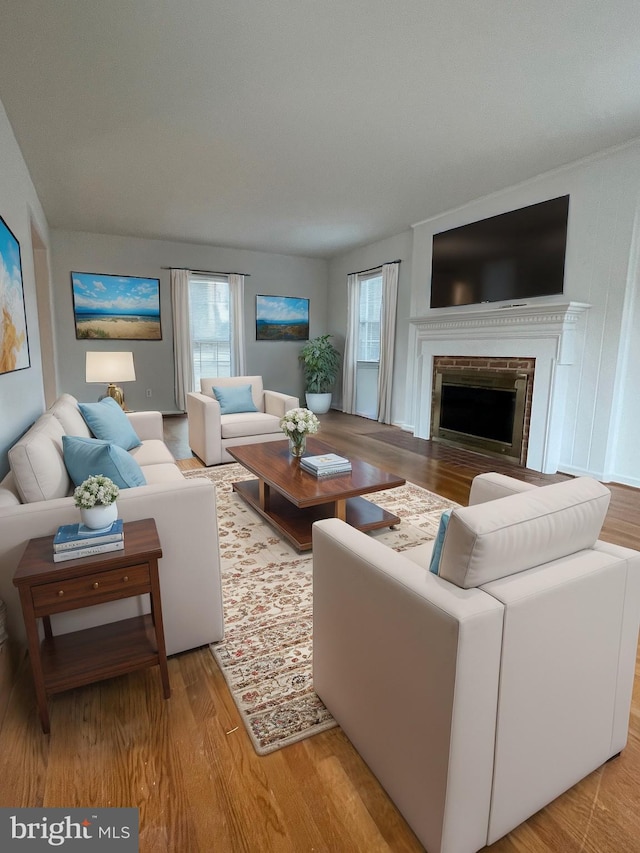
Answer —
370 305
209 318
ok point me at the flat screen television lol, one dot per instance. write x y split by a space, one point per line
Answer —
512 256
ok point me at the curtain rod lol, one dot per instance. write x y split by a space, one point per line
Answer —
371 269
207 272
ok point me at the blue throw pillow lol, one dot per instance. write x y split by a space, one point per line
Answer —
107 421
86 456
434 565
234 399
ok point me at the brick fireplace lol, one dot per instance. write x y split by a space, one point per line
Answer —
539 339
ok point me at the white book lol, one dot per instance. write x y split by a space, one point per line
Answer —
327 472
325 460
89 551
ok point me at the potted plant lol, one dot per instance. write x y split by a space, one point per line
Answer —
96 500
320 362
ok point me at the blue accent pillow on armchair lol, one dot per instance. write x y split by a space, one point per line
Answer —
434 565
107 421
234 399
86 456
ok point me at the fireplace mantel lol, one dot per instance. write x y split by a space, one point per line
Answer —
544 331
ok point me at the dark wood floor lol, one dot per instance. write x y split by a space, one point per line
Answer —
188 764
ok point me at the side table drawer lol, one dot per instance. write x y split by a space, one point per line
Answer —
90 589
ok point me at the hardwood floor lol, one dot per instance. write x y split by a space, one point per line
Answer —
188 765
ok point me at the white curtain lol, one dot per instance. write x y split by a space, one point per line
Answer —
182 359
387 340
350 360
236 300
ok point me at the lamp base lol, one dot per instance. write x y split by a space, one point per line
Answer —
117 393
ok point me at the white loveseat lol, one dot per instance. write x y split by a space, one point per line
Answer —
478 695
210 432
35 498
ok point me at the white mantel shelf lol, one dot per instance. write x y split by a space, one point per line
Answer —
544 331
552 314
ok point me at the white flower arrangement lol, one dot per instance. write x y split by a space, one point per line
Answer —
299 422
96 490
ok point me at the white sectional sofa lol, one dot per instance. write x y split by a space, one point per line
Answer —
35 498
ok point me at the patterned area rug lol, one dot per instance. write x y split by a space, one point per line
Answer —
267 593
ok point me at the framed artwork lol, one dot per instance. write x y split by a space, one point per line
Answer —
282 318
116 307
14 341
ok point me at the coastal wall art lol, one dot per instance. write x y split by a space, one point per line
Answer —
14 342
282 318
120 307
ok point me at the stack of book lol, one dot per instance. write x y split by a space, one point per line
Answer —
75 540
325 465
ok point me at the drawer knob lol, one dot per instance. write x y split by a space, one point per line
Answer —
96 585
125 578
61 592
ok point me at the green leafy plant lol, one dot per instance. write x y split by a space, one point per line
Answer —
320 362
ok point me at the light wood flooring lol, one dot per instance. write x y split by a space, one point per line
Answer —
188 765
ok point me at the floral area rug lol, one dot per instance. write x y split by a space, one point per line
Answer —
267 594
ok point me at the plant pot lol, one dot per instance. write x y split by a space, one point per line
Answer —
97 517
318 403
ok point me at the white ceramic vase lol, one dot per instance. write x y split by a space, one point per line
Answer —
97 517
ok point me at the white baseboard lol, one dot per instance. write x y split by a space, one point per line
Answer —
600 475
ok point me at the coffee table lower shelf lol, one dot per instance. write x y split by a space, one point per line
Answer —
294 523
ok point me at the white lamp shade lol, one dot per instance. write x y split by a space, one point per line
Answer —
110 367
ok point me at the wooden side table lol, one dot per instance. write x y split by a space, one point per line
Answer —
81 657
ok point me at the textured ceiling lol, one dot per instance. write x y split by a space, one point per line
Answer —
310 126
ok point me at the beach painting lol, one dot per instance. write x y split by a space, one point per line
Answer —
14 343
116 307
282 318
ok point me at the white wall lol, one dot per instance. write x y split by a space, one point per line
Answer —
394 248
21 392
603 405
271 274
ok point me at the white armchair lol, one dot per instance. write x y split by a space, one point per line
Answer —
478 695
211 432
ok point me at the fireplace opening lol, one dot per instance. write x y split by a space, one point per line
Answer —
481 410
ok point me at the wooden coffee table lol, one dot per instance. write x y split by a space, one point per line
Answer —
291 499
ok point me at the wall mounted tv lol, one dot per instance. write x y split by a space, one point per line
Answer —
512 256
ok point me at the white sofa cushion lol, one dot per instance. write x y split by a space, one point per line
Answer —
505 536
65 409
249 423
165 472
152 452
37 463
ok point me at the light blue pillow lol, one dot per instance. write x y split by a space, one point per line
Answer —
86 456
234 399
107 421
434 565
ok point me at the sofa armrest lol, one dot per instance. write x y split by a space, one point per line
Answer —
205 430
147 424
190 585
491 486
276 403
408 665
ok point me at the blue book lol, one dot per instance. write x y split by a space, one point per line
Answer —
71 536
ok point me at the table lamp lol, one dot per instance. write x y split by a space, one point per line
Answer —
111 367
